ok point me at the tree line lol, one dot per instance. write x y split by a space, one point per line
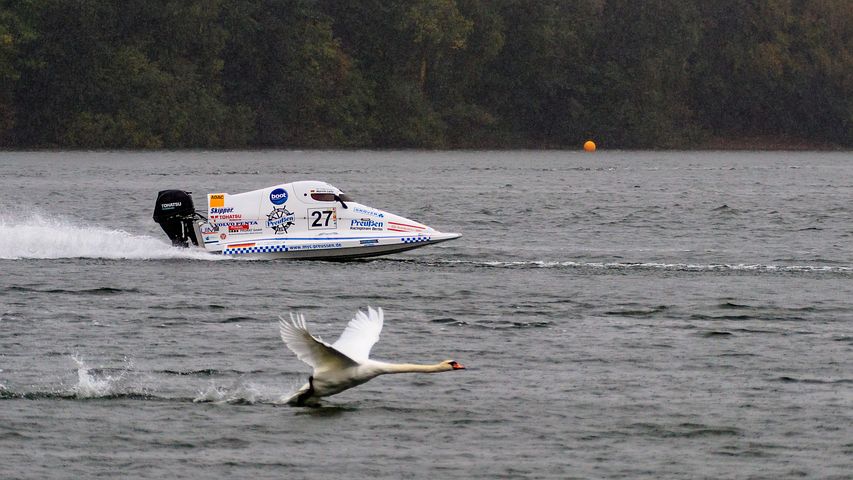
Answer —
422 73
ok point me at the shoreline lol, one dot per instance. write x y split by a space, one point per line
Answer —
766 143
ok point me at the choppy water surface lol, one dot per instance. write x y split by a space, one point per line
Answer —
622 315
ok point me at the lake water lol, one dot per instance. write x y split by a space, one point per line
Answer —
621 315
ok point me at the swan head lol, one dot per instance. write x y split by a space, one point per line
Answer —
453 365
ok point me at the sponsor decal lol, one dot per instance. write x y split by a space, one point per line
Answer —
278 196
314 246
224 213
366 211
365 224
231 224
280 219
216 199
322 218
242 228
230 216
223 236
208 229
170 206
240 245
369 242
403 227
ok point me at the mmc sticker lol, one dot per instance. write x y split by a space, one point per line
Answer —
280 219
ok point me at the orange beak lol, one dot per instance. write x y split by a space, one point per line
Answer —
458 366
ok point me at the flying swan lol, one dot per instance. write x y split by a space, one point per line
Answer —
345 363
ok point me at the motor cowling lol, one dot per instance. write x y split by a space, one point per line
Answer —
175 213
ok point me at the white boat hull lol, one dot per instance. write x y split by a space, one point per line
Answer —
306 219
330 248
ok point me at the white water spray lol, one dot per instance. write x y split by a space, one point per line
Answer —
239 392
90 386
36 236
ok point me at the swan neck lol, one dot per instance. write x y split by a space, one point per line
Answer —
414 368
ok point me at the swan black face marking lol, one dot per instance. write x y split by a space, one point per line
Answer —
456 365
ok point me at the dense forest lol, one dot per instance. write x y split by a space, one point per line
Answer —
423 73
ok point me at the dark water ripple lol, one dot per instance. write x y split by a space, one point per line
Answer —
625 315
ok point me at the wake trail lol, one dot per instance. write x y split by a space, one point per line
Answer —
37 236
128 384
626 266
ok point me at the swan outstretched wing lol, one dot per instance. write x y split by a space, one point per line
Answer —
361 334
309 348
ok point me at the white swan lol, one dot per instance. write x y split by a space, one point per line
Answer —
345 363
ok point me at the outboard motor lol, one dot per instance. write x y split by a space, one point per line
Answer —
175 212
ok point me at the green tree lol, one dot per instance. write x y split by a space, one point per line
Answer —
421 73
537 84
283 63
405 50
458 89
643 62
821 74
15 30
778 68
140 74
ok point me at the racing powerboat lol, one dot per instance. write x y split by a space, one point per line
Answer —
305 219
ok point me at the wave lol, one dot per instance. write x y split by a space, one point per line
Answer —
37 236
116 384
91 383
787 379
679 267
6 394
85 291
242 393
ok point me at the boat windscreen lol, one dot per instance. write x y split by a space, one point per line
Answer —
330 197
323 197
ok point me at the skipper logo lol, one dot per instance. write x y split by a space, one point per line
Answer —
280 219
278 196
220 210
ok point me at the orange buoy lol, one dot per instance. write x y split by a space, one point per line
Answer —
589 146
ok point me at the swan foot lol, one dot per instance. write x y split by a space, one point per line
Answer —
303 398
